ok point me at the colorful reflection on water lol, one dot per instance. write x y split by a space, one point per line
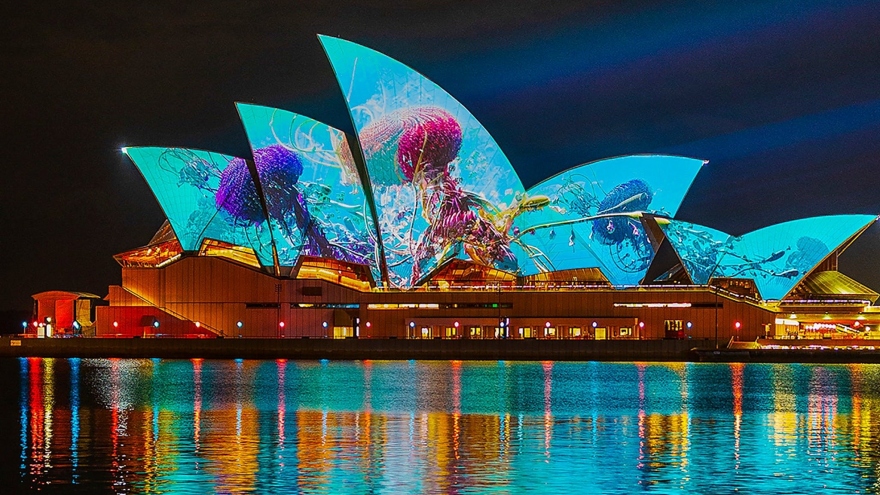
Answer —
177 426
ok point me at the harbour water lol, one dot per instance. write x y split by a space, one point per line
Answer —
235 426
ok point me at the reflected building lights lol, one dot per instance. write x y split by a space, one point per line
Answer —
436 429
281 370
547 367
24 411
737 384
74 416
197 403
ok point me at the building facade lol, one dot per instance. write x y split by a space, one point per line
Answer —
418 227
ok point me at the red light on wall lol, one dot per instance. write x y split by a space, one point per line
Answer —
115 324
547 325
737 325
281 324
368 325
456 324
198 324
641 324
857 324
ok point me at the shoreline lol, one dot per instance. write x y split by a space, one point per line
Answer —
354 349
401 349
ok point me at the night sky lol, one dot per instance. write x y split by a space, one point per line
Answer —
782 98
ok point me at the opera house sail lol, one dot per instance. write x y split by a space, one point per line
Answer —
418 226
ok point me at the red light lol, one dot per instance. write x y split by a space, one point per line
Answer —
281 324
456 324
368 325
641 324
115 324
737 325
857 324
36 324
547 325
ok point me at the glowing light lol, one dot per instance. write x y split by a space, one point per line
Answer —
595 324
456 324
412 324
239 324
115 324
36 324
324 324
653 305
198 324
641 324
156 323
368 325
689 324
547 325
737 325
24 325
281 324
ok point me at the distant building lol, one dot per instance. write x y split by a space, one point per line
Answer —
424 230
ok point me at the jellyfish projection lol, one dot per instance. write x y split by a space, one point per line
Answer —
800 259
430 140
599 207
767 255
206 195
440 183
435 186
237 194
312 190
631 196
413 144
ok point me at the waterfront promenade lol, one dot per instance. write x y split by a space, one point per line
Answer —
377 349
816 351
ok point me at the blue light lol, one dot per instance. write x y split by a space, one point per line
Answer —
777 257
590 216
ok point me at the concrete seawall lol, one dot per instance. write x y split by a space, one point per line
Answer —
378 349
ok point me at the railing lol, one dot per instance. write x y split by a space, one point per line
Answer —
175 313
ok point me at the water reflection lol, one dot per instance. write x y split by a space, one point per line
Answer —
178 426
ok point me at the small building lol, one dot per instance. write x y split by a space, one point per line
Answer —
59 312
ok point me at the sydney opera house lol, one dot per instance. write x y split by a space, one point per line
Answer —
418 227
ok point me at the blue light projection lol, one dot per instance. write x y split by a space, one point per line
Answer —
777 257
590 216
313 192
206 195
441 185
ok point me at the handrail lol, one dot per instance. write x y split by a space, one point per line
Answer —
174 313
